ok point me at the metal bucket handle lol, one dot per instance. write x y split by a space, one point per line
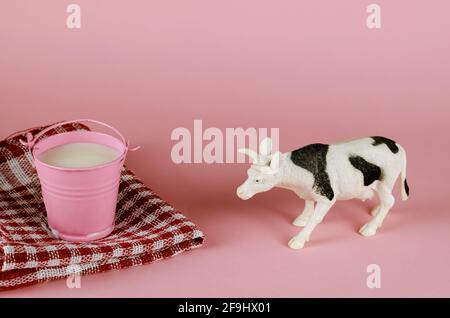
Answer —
31 140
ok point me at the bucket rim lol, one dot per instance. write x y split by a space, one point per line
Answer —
120 158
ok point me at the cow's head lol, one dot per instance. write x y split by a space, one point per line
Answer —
262 175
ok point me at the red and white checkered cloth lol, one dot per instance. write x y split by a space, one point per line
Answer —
147 228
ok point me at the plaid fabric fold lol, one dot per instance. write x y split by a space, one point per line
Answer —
147 228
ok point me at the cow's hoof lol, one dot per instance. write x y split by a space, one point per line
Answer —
296 243
300 221
367 230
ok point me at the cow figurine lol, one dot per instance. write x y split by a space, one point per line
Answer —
321 174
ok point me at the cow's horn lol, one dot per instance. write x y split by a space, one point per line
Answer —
252 154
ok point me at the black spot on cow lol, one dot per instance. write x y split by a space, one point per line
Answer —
378 140
314 159
370 172
406 187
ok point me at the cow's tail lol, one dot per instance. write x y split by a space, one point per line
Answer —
403 183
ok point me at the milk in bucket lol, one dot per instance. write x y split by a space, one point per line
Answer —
79 172
79 155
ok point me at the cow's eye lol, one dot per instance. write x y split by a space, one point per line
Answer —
258 180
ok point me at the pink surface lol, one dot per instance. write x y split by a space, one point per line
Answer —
311 68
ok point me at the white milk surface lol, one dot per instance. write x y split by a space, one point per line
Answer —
79 155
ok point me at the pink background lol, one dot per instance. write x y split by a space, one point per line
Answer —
311 68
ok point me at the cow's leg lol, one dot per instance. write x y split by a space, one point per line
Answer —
386 202
321 209
303 218
375 210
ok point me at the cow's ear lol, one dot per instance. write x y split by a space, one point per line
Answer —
275 161
265 147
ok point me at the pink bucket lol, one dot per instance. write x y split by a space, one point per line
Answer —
80 202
